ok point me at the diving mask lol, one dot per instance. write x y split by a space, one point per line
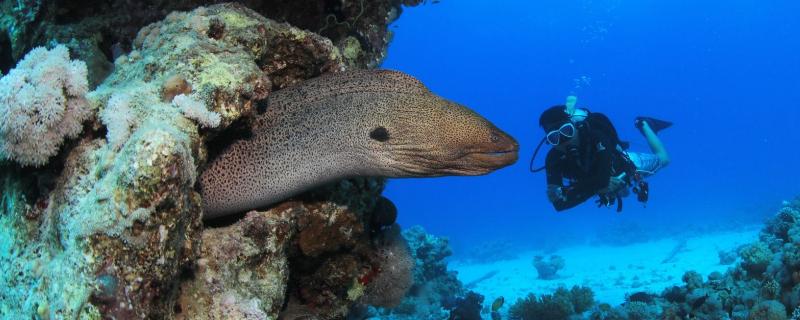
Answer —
567 130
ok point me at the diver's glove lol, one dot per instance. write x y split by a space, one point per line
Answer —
606 199
616 185
555 193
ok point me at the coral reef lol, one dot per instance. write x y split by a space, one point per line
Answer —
435 290
392 274
242 270
101 31
547 269
111 227
42 102
764 284
467 307
727 257
560 305
429 252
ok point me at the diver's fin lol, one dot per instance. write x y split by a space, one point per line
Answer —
655 124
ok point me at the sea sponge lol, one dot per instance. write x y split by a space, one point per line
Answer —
173 86
393 278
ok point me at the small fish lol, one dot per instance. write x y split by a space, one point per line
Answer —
498 303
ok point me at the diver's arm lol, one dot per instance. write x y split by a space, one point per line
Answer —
555 180
570 202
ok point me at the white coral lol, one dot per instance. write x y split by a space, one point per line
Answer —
118 118
196 110
41 103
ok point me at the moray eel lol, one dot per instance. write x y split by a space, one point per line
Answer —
356 123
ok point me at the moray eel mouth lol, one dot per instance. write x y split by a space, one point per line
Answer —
485 158
471 160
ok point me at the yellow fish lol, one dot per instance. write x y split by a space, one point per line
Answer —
498 303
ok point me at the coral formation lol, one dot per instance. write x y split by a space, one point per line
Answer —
429 252
241 267
547 269
101 32
467 307
435 289
764 284
560 305
42 102
393 275
112 229
727 257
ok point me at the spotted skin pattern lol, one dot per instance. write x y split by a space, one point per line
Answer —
355 123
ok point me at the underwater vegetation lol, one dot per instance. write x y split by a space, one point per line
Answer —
562 304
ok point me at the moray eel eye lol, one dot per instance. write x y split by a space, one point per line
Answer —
379 134
495 137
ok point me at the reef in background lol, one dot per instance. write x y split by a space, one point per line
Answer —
111 225
764 285
435 289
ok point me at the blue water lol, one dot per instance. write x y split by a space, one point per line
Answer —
726 72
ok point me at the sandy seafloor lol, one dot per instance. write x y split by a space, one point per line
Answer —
610 271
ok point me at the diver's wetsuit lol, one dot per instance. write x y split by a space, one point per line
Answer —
588 167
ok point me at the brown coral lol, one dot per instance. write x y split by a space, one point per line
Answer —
243 268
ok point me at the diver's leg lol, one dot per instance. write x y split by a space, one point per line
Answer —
655 144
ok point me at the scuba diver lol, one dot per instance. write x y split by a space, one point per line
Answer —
587 153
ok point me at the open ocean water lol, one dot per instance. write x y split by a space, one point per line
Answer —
725 72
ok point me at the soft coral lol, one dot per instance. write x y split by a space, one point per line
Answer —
41 102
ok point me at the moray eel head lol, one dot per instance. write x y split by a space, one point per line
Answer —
437 137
